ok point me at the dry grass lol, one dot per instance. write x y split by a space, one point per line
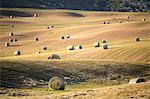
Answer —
77 24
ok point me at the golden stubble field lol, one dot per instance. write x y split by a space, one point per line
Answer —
84 28
124 57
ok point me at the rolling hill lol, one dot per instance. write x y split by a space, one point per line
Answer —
84 28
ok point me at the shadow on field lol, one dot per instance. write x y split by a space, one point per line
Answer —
36 74
15 13
75 14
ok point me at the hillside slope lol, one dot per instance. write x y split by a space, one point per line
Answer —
84 28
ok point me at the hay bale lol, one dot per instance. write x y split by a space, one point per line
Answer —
62 37
79 47
71 47
108 22
36 39
37 52
144 19
15 40
11 16
44 48
136 80
16 53
35 15
67 36
120 21
96 44
11 40
104 41
7 44
105 46
56 83
104 22
12 26
52 26
54 56
11 34
48 27
137 39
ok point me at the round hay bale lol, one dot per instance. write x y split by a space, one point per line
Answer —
54 56
136 80
144 19
108 22
137 39
96 44
44 48
36 39
11 40
120 21
105 46
35 15
104 22
11 16
7 44
62 37
67 36
16 53
79 47
48 27
12 26
52 26
104 41
15 40
37 52
11 34
56 83
71 47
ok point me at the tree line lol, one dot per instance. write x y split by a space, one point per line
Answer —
103 5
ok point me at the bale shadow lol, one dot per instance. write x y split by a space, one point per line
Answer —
15 13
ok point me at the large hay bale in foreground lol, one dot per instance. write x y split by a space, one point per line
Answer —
16 53
54 56
56 83
96 44
71 47
79 47
105 46
11 34
136 80
7 44
137 39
